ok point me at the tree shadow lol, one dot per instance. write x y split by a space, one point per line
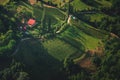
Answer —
38 62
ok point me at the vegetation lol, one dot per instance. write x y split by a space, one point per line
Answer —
70 40
4 2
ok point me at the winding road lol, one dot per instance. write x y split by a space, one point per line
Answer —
18 46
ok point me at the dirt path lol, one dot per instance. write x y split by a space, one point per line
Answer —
48 6
68 22
69 18
114 35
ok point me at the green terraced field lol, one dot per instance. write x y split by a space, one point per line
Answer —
59 49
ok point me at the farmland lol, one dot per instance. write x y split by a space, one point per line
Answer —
59 40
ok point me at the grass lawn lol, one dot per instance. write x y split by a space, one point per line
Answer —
59 49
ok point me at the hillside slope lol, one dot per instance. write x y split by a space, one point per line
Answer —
76 40
43 60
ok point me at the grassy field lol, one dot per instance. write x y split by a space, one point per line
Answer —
83 40
59 49
89 30
90 42
54 14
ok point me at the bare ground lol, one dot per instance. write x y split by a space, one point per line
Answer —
87 64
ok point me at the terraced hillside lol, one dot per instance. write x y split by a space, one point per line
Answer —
44 59
59 40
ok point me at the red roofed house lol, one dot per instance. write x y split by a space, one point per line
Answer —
31 22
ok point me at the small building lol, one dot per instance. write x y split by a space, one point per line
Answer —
31 22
